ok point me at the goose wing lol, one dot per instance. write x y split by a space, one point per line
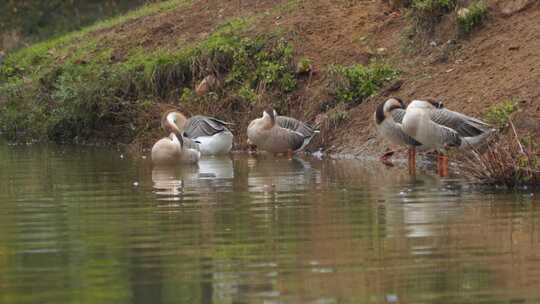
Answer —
300 133
464 125
295 125
199 125
397 115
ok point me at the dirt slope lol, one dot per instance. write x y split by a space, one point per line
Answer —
500 61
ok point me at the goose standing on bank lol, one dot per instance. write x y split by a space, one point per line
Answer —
279 134
173 150
212 134
388 119
436 127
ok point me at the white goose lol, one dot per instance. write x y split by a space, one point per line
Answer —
388 119
279 134
436 127
212 134
173 150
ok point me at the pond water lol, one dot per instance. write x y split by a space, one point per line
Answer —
87 225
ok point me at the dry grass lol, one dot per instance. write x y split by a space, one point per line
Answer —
514 161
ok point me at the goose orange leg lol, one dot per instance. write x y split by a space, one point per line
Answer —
442 165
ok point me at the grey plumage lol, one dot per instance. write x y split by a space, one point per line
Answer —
441 128
302 132
199 125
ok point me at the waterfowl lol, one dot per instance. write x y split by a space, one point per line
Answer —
436 127
212 134
175 150
279 134
388 119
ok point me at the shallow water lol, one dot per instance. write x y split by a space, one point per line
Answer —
87 225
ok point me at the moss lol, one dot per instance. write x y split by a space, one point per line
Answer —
470 17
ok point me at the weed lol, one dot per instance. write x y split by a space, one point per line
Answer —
509 163
500 114
470 17
352 84
304 66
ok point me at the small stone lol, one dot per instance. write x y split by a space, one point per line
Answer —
381 50
433 43
135 184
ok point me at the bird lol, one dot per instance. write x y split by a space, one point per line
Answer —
436 127
212 134
388 119
279 134
173 150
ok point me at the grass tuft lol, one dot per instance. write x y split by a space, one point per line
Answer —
352 84
499 114
512 162
470 17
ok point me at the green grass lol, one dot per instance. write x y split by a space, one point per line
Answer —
78 100
470 17
353 84
499 114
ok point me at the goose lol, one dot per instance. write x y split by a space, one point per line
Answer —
212 134
279 134
388 118
173 150
436 127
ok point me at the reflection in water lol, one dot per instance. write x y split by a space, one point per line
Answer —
75 228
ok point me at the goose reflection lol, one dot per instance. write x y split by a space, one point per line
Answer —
174 183
169 182
280 174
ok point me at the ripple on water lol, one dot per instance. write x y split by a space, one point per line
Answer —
74 228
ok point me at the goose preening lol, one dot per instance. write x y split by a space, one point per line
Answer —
388 119
212 134
279 134
175 150
436 127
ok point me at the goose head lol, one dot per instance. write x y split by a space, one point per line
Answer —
269 117
385 108
173 121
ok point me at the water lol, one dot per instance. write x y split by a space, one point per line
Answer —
87 225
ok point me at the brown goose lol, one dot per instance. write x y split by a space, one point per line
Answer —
279 134
173 150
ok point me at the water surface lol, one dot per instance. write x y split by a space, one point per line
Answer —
90 225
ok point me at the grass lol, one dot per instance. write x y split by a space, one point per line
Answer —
352 84
470 17
499 114
78 100
512 162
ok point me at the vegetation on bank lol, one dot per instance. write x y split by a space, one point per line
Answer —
512 160
70 89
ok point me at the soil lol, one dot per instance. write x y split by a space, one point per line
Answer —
496 62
